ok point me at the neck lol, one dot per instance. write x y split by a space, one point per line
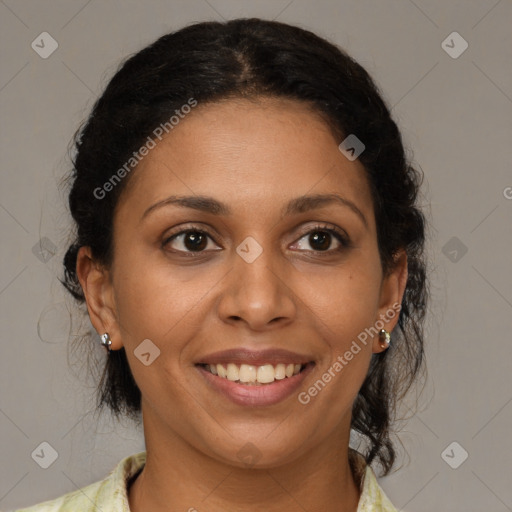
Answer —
177 476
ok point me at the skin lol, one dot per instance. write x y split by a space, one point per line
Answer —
241 153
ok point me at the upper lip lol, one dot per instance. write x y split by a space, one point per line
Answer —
255 357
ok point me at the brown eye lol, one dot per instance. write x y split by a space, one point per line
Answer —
190 240
195 241
321 239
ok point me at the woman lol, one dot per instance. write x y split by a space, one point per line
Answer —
250 252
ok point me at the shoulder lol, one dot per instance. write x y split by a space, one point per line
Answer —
373 498
107 495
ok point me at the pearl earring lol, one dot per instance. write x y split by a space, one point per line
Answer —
106 342
384 338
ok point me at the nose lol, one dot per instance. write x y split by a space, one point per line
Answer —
258 294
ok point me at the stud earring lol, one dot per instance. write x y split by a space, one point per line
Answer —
106 342
384 339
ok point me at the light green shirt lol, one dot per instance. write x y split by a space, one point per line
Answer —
111 495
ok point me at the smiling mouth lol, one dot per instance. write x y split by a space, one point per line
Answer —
253 375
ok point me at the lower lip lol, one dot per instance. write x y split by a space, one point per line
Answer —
265 394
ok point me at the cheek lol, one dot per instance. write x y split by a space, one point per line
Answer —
153 300
157 303
345 300
343 307
344 304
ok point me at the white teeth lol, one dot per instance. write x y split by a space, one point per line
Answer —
221 371
280 372
247 373
266 373
233 372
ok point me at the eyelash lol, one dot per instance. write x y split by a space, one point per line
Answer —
339 235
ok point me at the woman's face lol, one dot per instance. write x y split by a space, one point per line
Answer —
246 264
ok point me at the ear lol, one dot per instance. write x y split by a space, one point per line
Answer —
391 293
97 287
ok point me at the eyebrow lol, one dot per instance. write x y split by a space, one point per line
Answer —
298 205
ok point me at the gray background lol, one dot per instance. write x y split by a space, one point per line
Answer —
455 115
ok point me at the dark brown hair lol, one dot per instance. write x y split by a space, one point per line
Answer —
211 61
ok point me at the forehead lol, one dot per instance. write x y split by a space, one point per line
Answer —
247 151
